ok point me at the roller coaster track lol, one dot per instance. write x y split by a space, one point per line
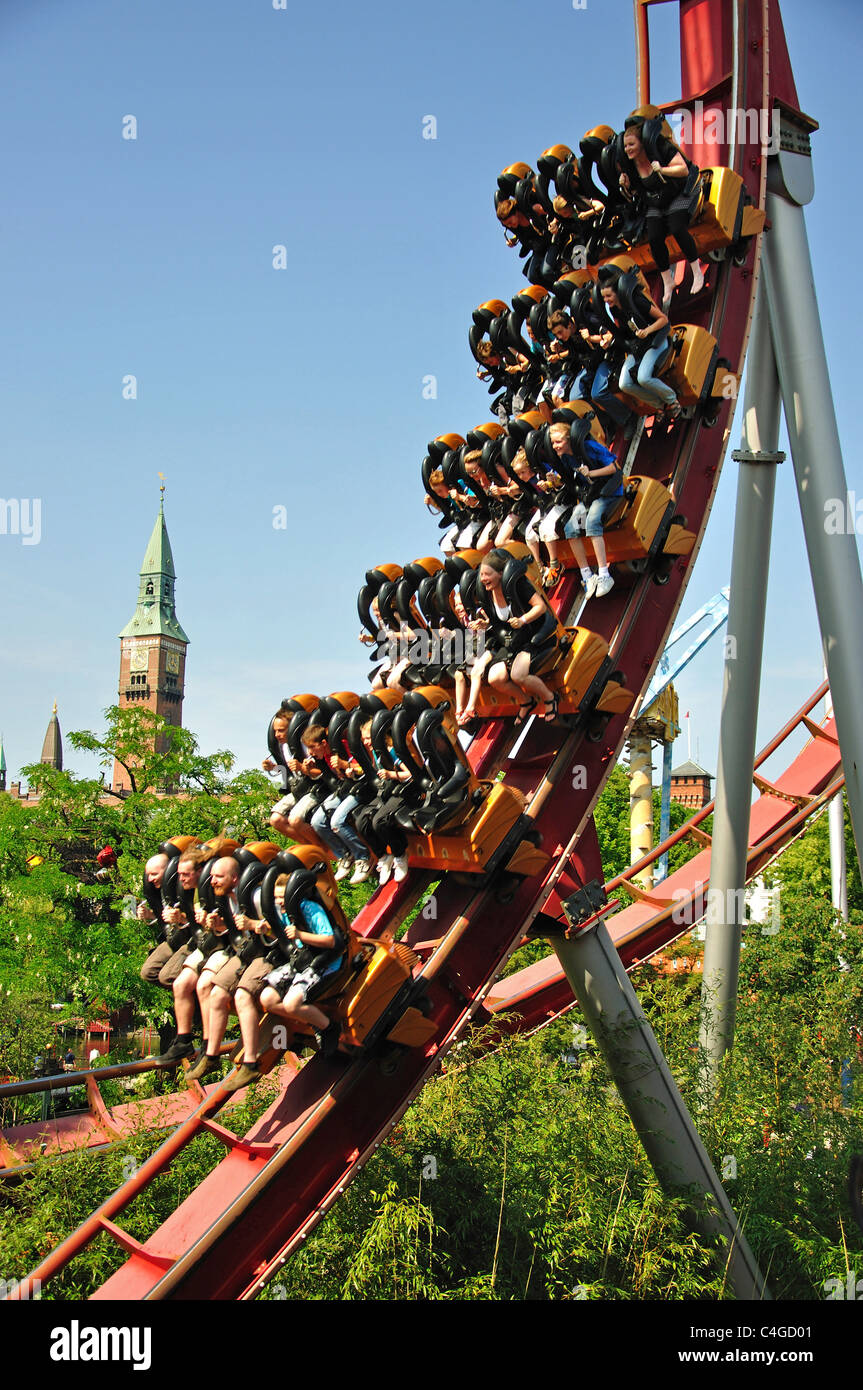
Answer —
261 1201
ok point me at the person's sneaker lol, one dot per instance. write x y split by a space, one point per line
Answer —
385 868
400 867
203 1067
362 869
590 586
177 1052
603 584
343 868
328 1039
243 1076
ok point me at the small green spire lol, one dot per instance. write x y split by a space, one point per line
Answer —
155 614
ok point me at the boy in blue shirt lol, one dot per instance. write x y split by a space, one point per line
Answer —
319 953
291 987
603 480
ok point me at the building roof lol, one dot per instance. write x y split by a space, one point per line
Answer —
52 748
155 615
691 769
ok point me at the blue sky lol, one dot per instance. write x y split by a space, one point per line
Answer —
303 387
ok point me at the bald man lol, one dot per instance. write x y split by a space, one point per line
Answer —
154 872
200 967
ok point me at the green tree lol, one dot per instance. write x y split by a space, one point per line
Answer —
611 816
67 934
804 867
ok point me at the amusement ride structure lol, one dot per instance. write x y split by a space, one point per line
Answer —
509 845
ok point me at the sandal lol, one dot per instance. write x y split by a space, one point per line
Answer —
549 715
674 411
524 710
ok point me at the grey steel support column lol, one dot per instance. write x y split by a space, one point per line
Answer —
838 868
838 873
818 467
656 1107
753 522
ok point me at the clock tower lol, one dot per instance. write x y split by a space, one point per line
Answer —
153 645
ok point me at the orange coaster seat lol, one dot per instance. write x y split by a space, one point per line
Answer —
721 219
630 532
358 996
689 367
576 671
387 968
470 848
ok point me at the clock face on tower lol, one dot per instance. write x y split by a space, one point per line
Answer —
139 660
172 663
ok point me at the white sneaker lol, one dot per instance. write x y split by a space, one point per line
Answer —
591 585
343 868
385 868
362 869
603 584
400 867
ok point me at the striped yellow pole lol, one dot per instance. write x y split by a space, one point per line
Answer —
641 805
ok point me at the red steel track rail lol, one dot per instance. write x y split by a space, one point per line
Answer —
668 910
99 1125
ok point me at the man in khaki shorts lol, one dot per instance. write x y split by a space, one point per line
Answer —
201 965
236 988
154 871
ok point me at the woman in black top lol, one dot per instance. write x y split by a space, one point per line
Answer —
520 634
668 182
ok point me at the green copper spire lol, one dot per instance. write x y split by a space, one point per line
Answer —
155 615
